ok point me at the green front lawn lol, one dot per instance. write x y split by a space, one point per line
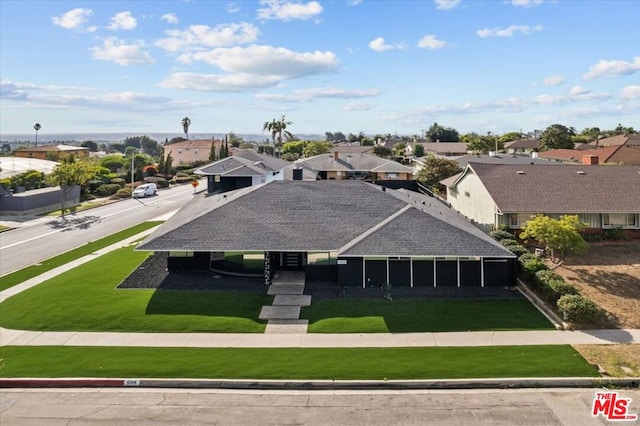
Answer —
422 315
295 363
85 299
29 272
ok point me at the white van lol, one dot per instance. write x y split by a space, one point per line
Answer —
145 190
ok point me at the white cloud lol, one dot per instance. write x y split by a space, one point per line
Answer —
630 92
554 80
446 4
115 50
233 8
358 106
308 95
218 83
123 21
268 60
508 31
197 37
353 2
431 42
73 19
578 90
526 3
379 45
170 18
612 68
287 11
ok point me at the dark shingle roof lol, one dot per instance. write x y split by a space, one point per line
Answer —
322 216
502 159
353 162
570 189
243 164
523 144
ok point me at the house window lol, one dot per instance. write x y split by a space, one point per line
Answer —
392 175
516 220
180 254
620 220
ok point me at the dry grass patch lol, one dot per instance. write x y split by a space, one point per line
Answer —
609 274
617 360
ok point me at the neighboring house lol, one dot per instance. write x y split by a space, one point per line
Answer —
522 146
495 196
191 152
242 170
489 159
353 233
628 140
442 149
340 166
10 166
352 149
611 154
52 152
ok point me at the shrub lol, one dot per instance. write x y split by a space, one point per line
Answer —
552 286
530 267
500 235
160 182
181 174
123 193
508 241
118 181
576 308
613 234
526 257
182 179
107 189
516 249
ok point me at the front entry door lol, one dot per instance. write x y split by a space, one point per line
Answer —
292 261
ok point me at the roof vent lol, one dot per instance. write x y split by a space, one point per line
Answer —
580 172
257 163
520 172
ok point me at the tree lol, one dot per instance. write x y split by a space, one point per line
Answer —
235 140
112 162
212 152
93 147
436 169
277 127
591 133
442 134
418 150
382 151
558 235
6 148
312 148
556 136
37 128
186 122
510 136
293 147
481 143
69 174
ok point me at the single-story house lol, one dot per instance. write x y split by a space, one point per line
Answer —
241 170
442 149
353 233
628 140
610 154
340 166
496 195
52 152
522 146
353 149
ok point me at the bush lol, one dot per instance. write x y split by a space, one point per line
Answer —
516 249
160 182
118 181
576 308
107 189
181 174
500 235
552 286
530 267
182 179
123 193
93 184
526 257
613 234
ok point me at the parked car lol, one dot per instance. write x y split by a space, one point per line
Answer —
145 190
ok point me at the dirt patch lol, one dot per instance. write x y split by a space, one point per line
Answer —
609 274
617 360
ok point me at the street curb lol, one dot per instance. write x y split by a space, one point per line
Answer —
515 383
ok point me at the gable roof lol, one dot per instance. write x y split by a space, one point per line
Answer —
575 156
444 147
53 147
523 144
193 144
353 162
350 217
575 189
618 140
243 164
501 159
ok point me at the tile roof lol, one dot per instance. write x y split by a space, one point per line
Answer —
322 216
353 162
192 144
570 189
618 140
573 155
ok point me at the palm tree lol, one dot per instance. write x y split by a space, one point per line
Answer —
277 127
37 127
186 122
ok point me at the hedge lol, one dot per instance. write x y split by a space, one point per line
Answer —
500 235
516 249
159 181
552 286
107 189
118 181
578 309
123 193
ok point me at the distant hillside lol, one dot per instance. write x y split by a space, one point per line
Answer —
44 138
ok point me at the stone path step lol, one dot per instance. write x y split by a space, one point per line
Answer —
292 300
280 313
287 327
290 289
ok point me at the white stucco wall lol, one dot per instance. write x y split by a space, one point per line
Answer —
257 180
472 200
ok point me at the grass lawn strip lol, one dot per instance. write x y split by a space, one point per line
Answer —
24 274
296 363
85 299
421 315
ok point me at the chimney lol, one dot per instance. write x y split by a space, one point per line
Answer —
335 155
590 160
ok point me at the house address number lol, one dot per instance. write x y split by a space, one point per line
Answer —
342 261
132 382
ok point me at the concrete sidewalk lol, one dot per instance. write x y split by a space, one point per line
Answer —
225 340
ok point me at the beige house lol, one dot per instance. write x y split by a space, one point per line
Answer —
191 152
500 195
52 152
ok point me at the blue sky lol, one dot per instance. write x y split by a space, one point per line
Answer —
350 66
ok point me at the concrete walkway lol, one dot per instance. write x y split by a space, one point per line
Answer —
289 339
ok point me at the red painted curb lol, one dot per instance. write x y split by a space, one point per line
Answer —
60 383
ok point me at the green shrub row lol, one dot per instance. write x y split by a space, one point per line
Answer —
159 181
107 189
578 309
